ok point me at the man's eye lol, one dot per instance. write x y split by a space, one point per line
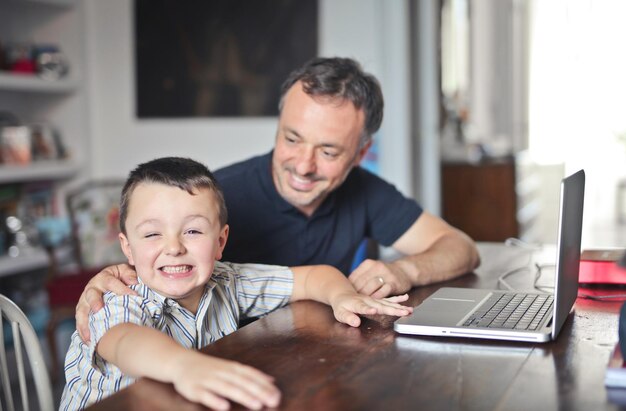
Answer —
330 154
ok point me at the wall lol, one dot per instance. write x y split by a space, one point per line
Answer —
499 75
377 37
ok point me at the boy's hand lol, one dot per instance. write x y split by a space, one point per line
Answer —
347 306
213 381
114 278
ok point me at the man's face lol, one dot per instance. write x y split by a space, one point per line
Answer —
173 239
317 144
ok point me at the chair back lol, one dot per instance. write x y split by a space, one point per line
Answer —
24 336
94 215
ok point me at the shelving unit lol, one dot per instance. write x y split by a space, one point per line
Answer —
55 3
61 104
34 259
34 84
38 171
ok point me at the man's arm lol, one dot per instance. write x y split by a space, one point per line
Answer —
434 251
114 278
200 378
328 285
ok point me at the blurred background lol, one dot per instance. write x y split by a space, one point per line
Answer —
488 105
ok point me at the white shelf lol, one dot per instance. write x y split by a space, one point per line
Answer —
33 259
60 3
38 171
32 83
54 3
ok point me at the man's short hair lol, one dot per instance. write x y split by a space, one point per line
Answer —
184 173
341 78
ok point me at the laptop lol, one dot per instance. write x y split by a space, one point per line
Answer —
511 315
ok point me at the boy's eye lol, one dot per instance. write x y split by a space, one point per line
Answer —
150 235
193 231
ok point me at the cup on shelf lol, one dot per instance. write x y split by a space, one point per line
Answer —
50 62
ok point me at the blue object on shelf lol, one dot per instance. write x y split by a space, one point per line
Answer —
53 230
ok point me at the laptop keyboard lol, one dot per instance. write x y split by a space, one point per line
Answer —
512 311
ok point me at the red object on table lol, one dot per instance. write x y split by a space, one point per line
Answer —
600 267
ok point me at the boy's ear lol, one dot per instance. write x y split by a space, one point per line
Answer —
221 241
126 248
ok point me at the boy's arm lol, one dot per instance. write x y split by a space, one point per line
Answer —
145 352
328 285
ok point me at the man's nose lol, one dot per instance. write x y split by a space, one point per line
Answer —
305 164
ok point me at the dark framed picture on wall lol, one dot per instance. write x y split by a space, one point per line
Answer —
218 58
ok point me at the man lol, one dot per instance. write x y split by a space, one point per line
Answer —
308 202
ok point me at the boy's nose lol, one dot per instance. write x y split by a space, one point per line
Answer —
174 247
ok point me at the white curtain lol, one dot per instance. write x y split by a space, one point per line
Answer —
577 96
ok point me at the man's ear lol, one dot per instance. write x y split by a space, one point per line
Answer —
126 248
362 152
223 237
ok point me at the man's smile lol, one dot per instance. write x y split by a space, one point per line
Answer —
302 183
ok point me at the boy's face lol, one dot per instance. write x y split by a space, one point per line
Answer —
173 239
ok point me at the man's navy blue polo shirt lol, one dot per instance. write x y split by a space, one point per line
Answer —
264 228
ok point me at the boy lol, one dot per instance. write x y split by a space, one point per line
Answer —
173 231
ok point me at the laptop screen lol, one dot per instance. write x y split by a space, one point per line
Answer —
568 247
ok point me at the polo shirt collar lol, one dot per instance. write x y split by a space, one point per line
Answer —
283 206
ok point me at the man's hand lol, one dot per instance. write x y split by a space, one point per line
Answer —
114 278
380 279
346 307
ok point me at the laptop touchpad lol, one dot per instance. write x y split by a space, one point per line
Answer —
448 306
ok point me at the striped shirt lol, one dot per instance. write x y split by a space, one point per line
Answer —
234 292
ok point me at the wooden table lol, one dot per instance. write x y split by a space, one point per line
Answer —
320 364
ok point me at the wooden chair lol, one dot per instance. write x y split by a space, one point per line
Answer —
23 337
93 209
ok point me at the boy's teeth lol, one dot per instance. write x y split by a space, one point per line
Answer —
176 269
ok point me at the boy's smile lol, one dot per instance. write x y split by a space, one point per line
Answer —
173 239
179 271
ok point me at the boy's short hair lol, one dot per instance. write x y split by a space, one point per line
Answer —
184 173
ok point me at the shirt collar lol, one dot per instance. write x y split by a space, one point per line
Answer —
148 292
151 294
